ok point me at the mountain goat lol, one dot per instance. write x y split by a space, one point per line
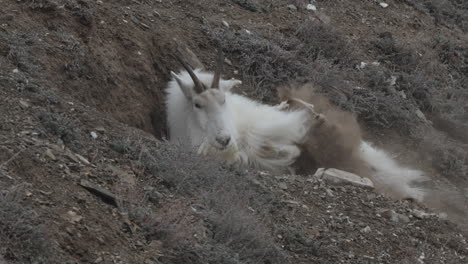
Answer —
240 129
305 131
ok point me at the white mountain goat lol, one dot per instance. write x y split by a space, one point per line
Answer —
240 129
278 138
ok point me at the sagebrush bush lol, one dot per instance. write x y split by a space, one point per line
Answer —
23 235
224 194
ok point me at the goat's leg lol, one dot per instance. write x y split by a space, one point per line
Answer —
282 106
205 148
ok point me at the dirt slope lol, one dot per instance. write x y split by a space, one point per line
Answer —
81 101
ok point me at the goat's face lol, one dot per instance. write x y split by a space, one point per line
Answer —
211 109
213 117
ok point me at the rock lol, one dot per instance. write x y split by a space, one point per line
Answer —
282 186
51 155
106 195
72 217
83 159
93 134
421 115
419 214
153 195
362 65
228 61
403 218
100 129
124 176
402 94
23 104
395 217
366 229
329 192
392 80
383 5
342 177
292 7
225 24
311 7
98 260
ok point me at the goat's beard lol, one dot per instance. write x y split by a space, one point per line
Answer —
229 153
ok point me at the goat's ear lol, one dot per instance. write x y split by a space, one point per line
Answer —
186 88
226 85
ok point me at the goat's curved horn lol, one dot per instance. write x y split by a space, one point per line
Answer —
219 69
199 87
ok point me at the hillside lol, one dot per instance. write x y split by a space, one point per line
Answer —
86 175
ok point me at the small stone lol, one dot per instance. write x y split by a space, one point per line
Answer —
225 24
419 214
292 7
383 5
82 159
50 154
366 229
336 176
98 260
93 134
402 94
390 214
392 80
154 196
403 218
100 129
311 7
421 115
73 217
329 193
362 65
15 70
23 104
228 61
282 186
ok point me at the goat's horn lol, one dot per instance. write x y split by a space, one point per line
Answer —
199 87
219 69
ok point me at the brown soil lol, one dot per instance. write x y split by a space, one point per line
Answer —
79 80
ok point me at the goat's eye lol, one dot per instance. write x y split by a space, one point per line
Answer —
197 105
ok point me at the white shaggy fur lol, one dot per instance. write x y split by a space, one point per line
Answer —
389 177
264 136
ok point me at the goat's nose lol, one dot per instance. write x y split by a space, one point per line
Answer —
223 141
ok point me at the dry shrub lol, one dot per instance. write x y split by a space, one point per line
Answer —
445 12
270 60
319 40
223 195
61 126
23 234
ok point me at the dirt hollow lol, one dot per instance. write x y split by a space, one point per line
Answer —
87 177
